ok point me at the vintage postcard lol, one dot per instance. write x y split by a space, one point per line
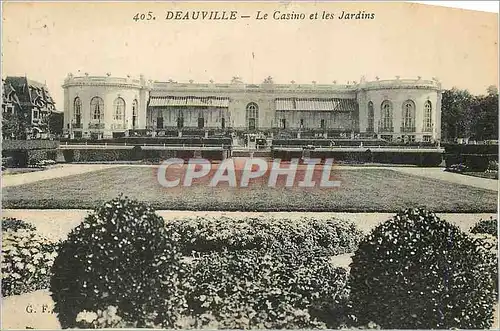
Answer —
249 165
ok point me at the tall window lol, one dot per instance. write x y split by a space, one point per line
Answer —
222 118
322 124
408 115
77 110
180 120
159 119
252 116
97 108
134 113
386 122
427 116
371 117
201 120
118 109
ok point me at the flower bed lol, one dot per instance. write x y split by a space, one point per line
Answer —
27 259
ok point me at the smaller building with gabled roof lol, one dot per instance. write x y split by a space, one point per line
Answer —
30 101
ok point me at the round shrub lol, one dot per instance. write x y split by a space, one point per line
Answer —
420 272
266 289
119 256
486 226
26 261
14 224
209 234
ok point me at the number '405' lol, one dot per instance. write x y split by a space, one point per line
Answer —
144 17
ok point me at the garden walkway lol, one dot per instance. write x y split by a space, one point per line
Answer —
440 174
51 173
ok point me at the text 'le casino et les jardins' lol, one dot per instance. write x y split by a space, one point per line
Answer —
259 15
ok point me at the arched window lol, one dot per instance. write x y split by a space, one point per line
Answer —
77 110
134 113
371 117
428 116
408 116
118 109
252 116
97 108
386 118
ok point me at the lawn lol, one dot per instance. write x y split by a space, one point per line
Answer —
361 190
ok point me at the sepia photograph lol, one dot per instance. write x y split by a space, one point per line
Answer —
249 165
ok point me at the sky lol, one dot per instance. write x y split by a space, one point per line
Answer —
46 41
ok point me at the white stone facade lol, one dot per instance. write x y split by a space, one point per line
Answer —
359 108
79 110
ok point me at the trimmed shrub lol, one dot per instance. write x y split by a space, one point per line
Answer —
119 256
486 226
486 233
489 245
417 271
26 260
266 289
492 166
14 224
208 234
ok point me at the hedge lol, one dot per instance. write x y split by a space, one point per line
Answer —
266 289
208 234
430 159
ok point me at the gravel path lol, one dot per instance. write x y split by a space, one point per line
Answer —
57 223
53 172
439 173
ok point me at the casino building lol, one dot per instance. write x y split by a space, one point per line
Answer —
394 110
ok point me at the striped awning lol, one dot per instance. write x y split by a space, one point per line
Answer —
171 101
315 104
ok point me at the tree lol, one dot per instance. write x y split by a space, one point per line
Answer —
486 116
455 106
56 123
492 90
13 126
468 116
